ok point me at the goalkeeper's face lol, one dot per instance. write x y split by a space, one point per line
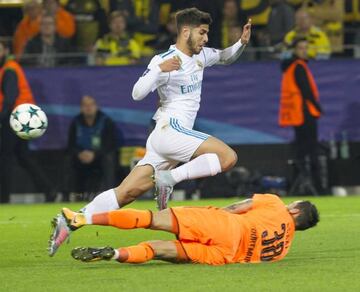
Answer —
198 38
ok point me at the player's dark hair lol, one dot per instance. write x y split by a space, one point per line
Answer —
192 17
308 217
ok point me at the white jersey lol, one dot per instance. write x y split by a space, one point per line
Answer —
180 90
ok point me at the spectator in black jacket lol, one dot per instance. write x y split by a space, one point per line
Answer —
300 108
92 149
47 49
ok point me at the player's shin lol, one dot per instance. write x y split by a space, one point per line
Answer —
135 254
123 219
202 166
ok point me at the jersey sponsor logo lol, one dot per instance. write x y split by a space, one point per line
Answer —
201 65
252 244
196 85
190 88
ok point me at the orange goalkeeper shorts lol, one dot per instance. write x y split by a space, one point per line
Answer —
208 235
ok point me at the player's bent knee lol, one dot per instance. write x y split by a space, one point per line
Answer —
229 161
162 220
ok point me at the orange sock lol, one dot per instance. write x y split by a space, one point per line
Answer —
136 254
124 219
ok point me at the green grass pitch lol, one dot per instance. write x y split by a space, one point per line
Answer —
326 258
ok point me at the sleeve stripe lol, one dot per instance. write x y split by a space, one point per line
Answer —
167 53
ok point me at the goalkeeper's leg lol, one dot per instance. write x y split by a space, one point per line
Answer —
126 219
159 250
134 185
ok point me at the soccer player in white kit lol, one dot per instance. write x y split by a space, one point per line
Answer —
177 75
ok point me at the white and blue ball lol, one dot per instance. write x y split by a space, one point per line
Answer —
28 121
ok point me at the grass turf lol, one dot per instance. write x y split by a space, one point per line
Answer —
326 258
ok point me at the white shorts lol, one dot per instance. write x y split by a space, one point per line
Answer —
170 143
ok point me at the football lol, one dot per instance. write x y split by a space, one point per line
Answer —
28 121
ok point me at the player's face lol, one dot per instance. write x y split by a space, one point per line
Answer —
198 38
293 210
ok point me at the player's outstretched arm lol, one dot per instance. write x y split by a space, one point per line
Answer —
240 207
231 54
246 34
154 76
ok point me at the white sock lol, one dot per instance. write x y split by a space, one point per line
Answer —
106 201
204 165
116 255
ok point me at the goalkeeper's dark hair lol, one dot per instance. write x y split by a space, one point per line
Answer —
308 217
192 17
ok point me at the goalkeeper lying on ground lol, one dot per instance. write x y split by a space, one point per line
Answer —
259 229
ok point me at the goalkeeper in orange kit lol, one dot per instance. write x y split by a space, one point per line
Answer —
259 229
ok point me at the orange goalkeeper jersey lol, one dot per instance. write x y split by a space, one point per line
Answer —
267 230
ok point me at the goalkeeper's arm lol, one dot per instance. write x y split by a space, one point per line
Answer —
239 207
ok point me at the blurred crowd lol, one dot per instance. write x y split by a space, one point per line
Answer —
50 33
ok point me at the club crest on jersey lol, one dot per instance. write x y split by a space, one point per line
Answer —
177 57
201 65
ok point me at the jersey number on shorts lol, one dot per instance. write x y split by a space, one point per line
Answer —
272 247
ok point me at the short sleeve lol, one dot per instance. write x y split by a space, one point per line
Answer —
211 56
163 77
260 200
